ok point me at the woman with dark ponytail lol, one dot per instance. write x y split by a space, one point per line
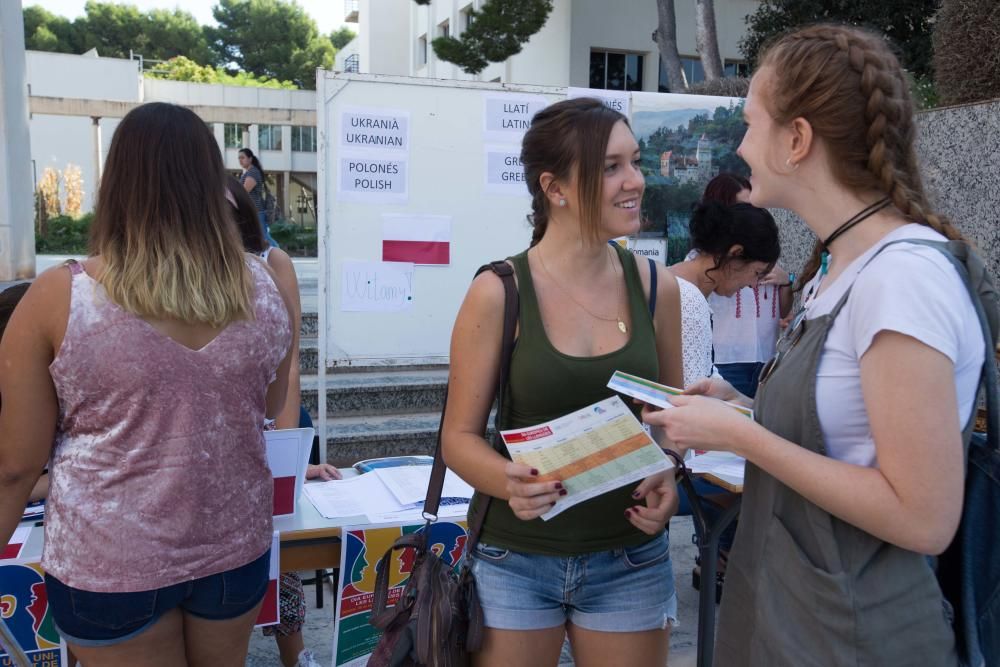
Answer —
855 462
587 308
252 180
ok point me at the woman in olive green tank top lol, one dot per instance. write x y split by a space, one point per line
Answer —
600 570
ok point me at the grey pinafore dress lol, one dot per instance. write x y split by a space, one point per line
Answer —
804 588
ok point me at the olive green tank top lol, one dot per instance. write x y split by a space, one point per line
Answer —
545 384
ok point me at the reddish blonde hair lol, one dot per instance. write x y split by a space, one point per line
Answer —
847 83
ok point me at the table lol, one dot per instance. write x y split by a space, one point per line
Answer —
708 535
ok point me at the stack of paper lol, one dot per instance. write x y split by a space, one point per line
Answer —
721 464
388 495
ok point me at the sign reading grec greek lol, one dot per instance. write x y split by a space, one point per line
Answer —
378 129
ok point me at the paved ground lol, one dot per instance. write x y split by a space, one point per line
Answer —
318 631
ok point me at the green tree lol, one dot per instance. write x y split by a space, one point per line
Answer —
906 23
497 31
342 37
44 31
270 38
180 68
171 33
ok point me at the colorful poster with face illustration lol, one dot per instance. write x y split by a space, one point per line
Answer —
361 549
24 608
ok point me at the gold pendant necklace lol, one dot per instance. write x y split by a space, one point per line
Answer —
617 318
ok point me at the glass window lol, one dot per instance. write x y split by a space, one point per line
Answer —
352 63
467 18
304 138
269 137
233 133
421 50
736 68
444 30
692 68
615 71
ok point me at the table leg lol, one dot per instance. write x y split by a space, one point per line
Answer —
708 549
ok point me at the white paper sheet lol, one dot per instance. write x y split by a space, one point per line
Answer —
722 464
376 287
620 101
408 484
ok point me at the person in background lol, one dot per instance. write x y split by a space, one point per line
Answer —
733 247
746 325
855 465
600 570
252 179
292 600
144 374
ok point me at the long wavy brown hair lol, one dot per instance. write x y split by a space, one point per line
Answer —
162 226
848 84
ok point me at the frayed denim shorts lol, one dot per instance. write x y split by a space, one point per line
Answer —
628 589
86 618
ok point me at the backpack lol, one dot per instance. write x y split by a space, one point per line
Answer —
969 569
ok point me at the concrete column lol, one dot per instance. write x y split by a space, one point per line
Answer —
17 228
95 125
286 195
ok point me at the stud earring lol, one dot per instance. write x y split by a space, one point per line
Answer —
562 202
788 163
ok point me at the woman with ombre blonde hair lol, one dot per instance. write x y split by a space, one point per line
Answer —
855 463
143 374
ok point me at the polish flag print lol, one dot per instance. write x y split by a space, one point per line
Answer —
268 614
283 459
424 239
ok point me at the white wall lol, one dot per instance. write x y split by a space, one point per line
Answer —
383 47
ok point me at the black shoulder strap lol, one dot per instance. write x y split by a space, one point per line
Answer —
511 309
652 287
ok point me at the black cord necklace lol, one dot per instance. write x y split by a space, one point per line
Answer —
861 215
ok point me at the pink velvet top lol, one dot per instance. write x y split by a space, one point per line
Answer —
158 472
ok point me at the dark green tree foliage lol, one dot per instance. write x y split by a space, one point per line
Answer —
967 51
270 38
44 31
498 31
906 23
342 37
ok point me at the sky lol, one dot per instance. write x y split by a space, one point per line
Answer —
328 14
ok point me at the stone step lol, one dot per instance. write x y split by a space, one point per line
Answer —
310 324
309 362
377 392
351 439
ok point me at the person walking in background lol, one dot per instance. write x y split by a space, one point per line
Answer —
600 570
145 373
746 324
252 179
855 465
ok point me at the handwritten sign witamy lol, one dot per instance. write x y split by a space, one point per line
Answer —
506 117
376 287
504 171
620 101
374 129
374 180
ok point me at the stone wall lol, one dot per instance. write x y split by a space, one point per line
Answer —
959 153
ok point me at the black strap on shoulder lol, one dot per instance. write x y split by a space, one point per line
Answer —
652 287
511 309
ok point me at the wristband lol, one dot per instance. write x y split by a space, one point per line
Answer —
791 280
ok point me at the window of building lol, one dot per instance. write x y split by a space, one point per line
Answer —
615 71
421 50
444 29
693 72
736 68
466 18
269 137
304 138
233 134
352 63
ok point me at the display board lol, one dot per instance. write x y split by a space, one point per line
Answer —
420 184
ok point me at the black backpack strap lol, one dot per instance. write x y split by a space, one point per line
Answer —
511 309
652 286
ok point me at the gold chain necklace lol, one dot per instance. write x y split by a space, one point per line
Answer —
618 318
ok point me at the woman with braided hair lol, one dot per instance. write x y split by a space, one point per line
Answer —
855 461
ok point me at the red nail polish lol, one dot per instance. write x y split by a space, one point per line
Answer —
534 471
563 492
559 485
635 494
628 514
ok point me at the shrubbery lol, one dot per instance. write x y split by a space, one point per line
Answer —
64 235
966 53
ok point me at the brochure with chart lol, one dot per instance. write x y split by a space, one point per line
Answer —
594 450
654 393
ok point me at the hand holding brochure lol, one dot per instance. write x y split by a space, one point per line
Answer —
594 450
654 393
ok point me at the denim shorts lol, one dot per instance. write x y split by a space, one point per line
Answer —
628 589
103 619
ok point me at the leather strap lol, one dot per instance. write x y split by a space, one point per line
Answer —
511 310
652 286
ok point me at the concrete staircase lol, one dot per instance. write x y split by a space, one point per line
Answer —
372 411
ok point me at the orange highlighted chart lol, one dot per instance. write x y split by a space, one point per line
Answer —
594 450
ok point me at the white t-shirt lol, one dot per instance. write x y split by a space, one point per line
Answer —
913 290
696 333
745 326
